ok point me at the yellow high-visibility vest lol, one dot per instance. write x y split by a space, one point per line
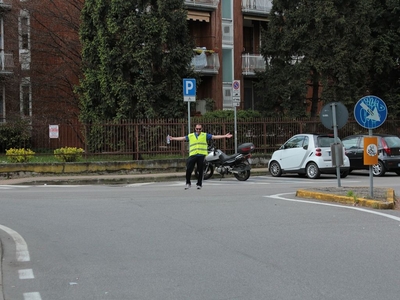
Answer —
197 145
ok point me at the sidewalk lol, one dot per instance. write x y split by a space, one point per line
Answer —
108 178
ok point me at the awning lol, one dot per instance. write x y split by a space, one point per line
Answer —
255 18
201 16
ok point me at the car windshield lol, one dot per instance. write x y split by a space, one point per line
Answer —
325 141
392 141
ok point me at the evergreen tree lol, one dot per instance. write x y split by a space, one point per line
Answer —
317 42
385 71
135 54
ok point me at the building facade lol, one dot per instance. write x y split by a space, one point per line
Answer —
39 59
40 54
228 40
9 48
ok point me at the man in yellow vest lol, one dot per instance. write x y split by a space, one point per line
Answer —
197 152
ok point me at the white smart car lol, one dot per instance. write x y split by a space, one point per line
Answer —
307 155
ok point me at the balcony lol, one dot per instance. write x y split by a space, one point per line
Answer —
256 7
5 5
252 63
206 62
6 63
209 5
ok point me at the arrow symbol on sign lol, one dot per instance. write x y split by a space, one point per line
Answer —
373 115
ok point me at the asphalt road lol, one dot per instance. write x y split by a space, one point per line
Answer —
230 240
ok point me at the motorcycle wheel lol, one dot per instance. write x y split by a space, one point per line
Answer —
243 175
207 173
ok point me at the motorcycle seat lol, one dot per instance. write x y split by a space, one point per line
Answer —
226 158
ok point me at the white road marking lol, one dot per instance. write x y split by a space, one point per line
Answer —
22 248
60 185
32 296
139 184
11 186
26 274
280 197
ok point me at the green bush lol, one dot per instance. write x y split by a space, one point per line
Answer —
15 134
68 154
20 155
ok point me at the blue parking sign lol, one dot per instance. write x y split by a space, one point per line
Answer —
189 90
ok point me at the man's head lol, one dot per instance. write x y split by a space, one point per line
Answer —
198 128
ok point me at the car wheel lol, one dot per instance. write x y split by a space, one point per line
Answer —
275 169
378 169
312 171
344 174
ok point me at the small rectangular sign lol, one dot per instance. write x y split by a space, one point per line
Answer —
236 88
189 99
189 90
370 150
53 131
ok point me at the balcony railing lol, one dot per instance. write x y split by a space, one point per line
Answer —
257 7
6 63
5 5
202 4
205 61
252 63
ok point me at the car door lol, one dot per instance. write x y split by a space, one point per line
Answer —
293 152
354 151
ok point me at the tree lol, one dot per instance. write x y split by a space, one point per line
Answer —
55 65
326 43
135 54
384 74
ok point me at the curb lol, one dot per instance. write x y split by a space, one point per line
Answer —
388 204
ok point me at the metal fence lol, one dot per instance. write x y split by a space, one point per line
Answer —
134 139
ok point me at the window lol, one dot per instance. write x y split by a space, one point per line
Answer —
350 143
295 142
25 98
24 33
226 7
24 30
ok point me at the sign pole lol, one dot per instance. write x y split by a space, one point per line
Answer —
189 95
370 112
235 103
371 175
188 117
334 116
335 136
235 130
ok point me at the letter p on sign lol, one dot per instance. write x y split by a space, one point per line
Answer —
189 90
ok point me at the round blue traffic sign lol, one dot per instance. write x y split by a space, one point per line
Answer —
370 112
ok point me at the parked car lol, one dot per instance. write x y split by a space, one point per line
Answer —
388 153
307 155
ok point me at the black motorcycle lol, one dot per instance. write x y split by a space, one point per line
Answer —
237 164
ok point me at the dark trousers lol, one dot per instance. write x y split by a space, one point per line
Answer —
191 161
